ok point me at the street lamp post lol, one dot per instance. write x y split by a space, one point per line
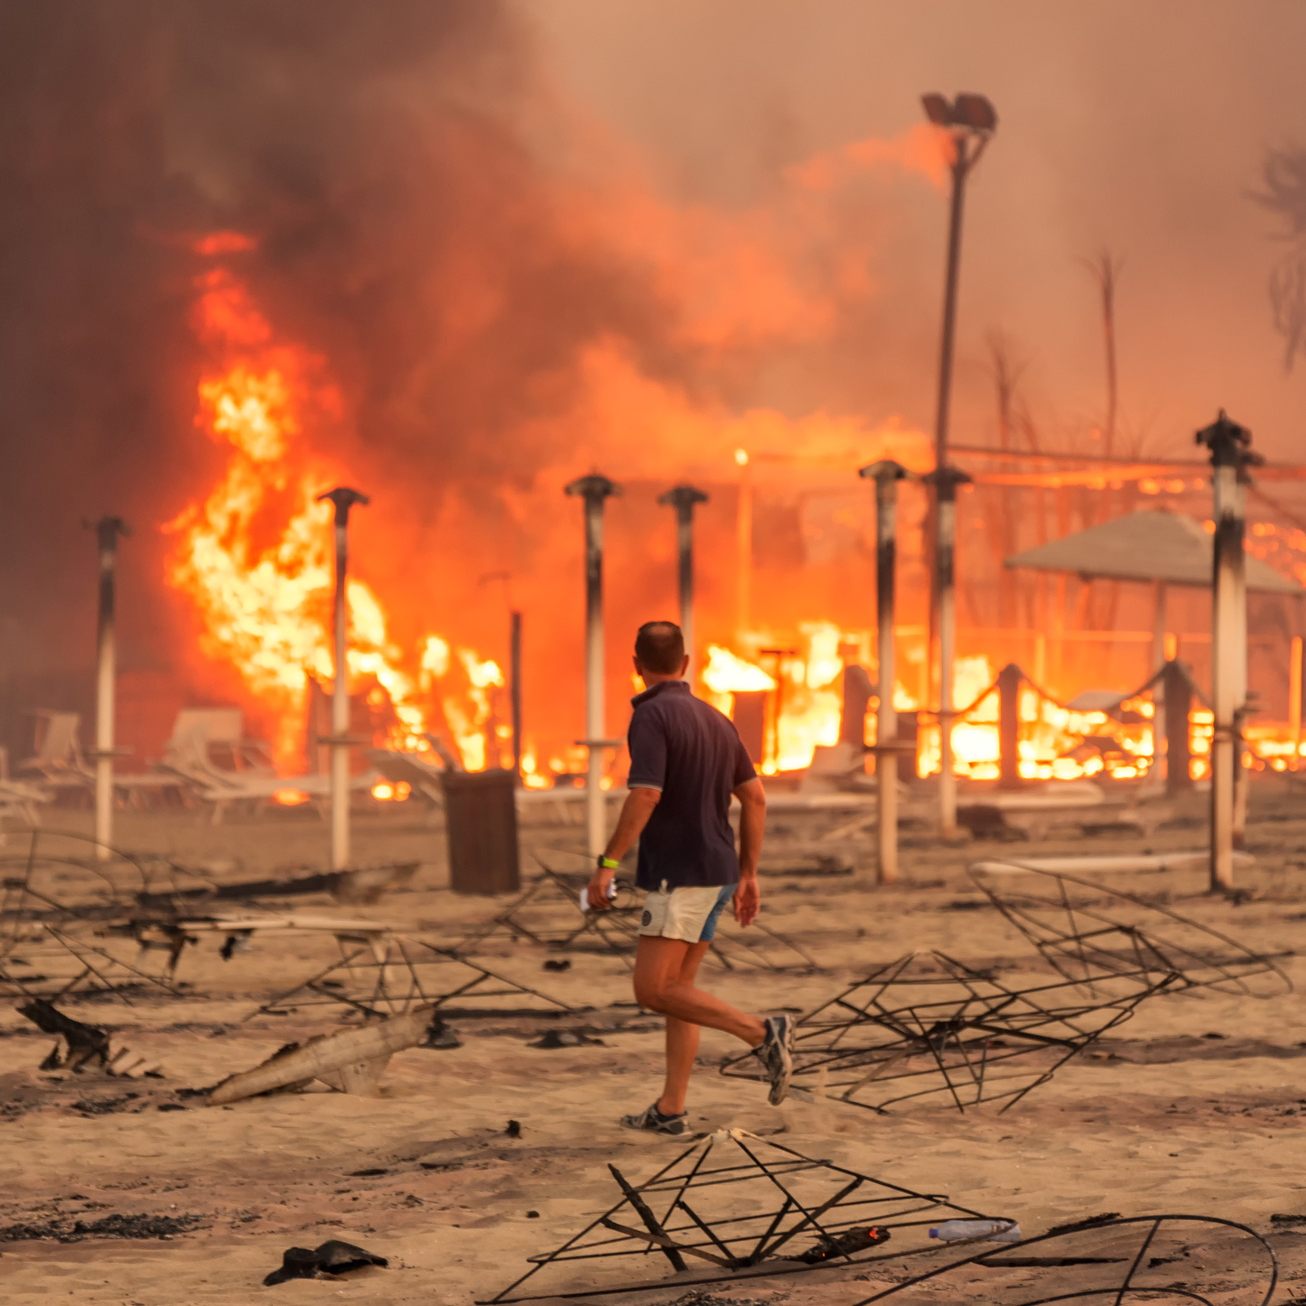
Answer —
886 474
944 481
969 121
514 668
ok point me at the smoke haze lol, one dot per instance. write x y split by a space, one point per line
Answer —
531 239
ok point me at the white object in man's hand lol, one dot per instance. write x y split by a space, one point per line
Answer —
599 893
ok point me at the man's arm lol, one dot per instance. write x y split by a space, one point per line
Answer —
635 812
647 741
752 823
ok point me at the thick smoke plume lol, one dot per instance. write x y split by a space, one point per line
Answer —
499 311
528 240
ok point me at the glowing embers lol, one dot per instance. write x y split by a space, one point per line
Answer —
928 1030
389 975
1084 930
735 1206
548 913
1146 1258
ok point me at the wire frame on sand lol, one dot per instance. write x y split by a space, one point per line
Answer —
389 974
59 967
48 877
548 913
927 1030
1110 1261
1084 929
732 1207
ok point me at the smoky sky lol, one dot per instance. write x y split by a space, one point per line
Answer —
1141 128
457 202
373 150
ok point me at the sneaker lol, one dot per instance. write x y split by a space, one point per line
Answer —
654 1122
776 1053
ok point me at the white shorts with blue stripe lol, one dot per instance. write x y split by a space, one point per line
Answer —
689 913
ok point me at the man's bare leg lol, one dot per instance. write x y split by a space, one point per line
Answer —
682 1041
660 986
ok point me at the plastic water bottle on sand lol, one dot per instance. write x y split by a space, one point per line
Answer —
993 1231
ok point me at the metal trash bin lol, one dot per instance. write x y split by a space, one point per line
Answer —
481 831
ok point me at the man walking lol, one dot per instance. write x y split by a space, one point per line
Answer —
686 761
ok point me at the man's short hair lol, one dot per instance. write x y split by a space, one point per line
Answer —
660 647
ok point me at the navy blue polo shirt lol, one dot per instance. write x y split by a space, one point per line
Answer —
694 755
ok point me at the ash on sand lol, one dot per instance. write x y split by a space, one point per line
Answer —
65 1230
1129 1131
701 1297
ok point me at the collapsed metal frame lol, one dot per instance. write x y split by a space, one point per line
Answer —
1082 941
37 886
50 896
852 1208
1130 1288
94 970
391 974
79 1045
617 929
611 931
978 1043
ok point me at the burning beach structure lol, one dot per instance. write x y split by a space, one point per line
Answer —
372 372
465 360
1082 589
1083 595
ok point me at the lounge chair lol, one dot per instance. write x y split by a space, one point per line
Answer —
58 763
223 769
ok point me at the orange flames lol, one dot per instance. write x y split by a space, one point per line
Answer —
806 685
256 554
808 678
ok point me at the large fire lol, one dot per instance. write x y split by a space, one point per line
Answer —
804 713
256 554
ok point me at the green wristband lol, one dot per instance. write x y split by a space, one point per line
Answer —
608 864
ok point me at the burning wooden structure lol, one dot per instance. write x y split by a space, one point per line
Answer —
781 615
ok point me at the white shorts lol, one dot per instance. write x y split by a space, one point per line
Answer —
689 913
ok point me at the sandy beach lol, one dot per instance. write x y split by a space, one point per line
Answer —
126 1191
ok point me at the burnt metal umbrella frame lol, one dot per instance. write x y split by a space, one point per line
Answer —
65 966
617 929
927 1029
51 894
64 877
35 893
735 1206
547 914
1083 940
391 974
1139 1254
